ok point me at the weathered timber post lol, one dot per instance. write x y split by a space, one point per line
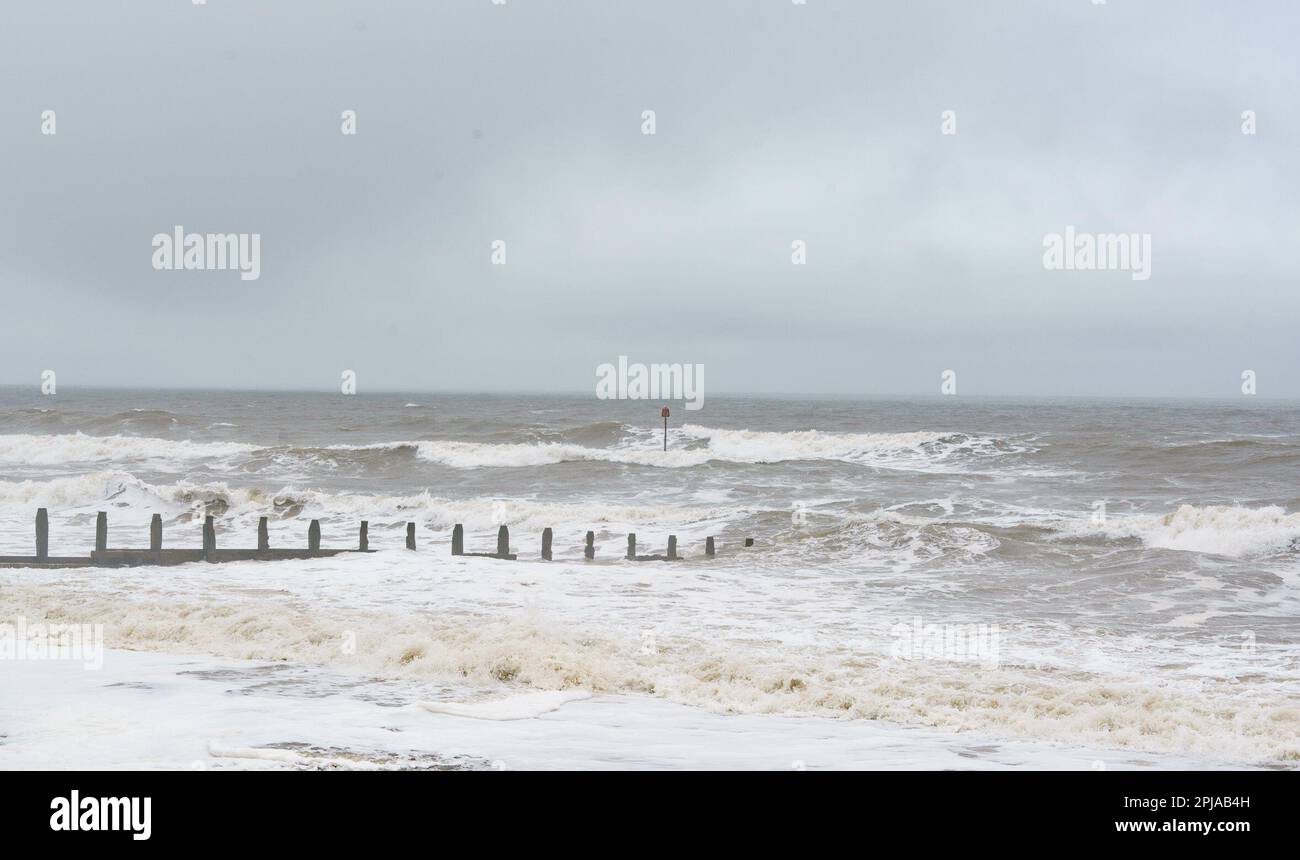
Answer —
410 535
363 543
263 536
631 546
458 539
749 541
155 533
708 547
672 547
503 541
101 531
313 536
546 544
42 534
209 536
589 551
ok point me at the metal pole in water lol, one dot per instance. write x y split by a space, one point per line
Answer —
664 414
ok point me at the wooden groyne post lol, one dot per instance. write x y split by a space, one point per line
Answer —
42 535
503 544
671 555
102 556
209 536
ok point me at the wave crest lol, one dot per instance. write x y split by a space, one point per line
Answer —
512 655
693 446
1228 530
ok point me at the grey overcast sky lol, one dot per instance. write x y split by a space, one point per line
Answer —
774 122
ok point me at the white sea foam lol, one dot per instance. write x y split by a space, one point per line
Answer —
70 492
523 706
756 446
1213 529
255 757
147 711
694 446
697 445
76 448
127 492
774 673
479 455
777 633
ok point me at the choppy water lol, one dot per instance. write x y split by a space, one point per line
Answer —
1139 559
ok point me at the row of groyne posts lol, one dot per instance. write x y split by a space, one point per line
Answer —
102 556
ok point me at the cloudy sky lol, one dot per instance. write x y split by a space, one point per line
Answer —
775 122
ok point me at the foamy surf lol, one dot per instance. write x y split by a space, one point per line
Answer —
134 499
487 629
1168 630
755 446
1227 530
77 448
162 711
696 446
524 706
704 445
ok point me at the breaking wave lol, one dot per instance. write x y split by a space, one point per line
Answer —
1234 531
75 448
512 655
694 446
124 490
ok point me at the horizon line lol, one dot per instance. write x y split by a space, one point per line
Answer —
725 395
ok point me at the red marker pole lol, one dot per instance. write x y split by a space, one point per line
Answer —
664 413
